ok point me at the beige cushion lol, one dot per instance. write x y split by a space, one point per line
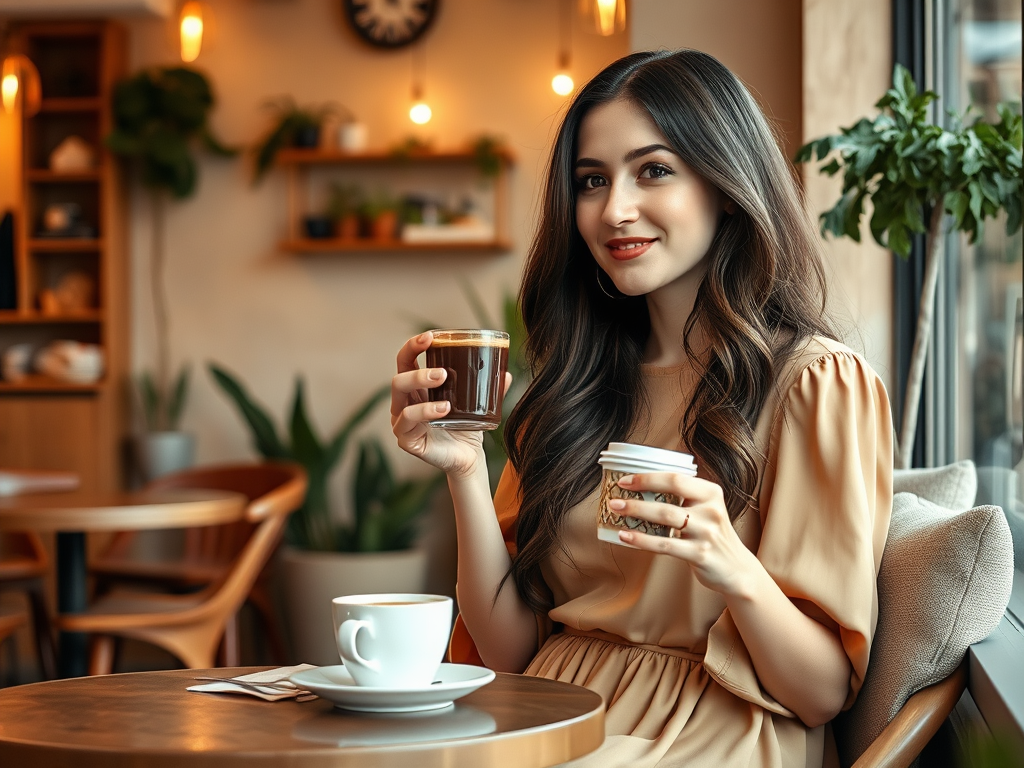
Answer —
953 486
944 583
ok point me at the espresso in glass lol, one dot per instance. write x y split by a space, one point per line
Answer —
476 362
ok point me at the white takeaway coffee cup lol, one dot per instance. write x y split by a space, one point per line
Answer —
628 459
392 640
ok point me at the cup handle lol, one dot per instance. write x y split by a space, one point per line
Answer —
347 644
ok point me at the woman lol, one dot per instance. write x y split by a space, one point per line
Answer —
673 297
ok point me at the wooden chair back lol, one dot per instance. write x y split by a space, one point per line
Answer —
191 626
24 561
920 718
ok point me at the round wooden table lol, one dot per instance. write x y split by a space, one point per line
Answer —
71 514
148 718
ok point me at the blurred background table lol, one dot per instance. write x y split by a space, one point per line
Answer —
148 718
70 515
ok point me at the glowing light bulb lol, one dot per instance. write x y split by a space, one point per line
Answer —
420 113
562 84
609 15
9 89
191 31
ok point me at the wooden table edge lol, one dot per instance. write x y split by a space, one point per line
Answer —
506 750
222 507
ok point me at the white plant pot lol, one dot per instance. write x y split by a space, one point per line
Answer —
311 580
160 453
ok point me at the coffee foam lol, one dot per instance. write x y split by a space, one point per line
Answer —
464 341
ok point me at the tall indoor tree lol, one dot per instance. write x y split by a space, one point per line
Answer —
161 115
918 175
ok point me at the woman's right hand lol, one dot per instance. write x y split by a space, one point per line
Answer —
453 452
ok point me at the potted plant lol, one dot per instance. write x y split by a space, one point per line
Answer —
293 126
380 214
163 448
160 115
375 552
343 209
917 176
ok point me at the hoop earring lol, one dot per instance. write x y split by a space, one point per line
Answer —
603 289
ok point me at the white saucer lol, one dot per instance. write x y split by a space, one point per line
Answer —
335 684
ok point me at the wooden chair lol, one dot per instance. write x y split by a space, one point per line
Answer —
918 720
23 559
207 552
192 626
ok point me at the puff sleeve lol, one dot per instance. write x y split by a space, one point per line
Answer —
824 507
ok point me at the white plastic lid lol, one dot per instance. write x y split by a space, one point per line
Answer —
659 459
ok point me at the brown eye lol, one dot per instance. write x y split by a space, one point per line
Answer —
655 171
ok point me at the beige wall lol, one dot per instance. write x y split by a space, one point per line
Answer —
841 83
758 40
814 65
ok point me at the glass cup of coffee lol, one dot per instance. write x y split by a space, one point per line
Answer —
628 459
476 362
393 640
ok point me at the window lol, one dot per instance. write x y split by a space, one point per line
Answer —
979 66
969 51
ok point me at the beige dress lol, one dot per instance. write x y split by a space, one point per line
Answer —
662 650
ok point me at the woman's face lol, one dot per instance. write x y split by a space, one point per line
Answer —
647 218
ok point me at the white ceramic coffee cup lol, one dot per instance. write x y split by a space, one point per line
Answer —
628 459
392 640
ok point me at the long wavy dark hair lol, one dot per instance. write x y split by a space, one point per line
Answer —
762 295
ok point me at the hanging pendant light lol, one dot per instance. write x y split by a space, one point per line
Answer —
420 112
191 25
562 82
607 16
19 85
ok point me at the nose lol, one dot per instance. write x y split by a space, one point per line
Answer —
620 205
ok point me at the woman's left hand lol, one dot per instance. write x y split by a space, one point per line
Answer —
703 537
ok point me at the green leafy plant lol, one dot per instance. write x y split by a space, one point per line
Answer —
160 116
385 509
162 412
487 154
290 121
343 201
914 173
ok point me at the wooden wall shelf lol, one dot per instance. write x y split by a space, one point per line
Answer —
298 162
71 104
308 245
44 384
65 244
45 175
37 318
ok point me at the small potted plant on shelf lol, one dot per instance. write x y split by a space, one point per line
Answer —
380 213
343 208
163 448
375 552
293 126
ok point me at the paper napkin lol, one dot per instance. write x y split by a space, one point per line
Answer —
276 685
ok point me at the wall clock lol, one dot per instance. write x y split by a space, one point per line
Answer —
390 23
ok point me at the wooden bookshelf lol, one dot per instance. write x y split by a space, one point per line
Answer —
47 423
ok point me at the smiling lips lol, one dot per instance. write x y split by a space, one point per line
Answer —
626 248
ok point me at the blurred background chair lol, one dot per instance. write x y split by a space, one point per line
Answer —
24 562
228 559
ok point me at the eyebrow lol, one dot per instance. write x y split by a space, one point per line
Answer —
633 154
